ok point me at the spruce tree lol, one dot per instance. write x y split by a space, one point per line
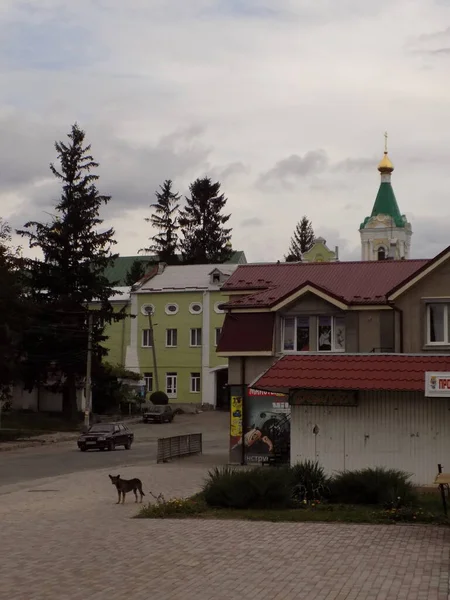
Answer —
76 250
205 239
136 272
165 243
301 241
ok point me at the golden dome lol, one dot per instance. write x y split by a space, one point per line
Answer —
385 165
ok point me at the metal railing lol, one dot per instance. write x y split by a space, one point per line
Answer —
177 446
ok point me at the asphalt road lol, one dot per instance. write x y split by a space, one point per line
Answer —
20 466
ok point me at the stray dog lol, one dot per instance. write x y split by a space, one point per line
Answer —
126 485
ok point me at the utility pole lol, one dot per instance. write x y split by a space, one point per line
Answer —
152 338
88 407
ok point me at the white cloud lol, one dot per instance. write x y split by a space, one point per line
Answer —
246 91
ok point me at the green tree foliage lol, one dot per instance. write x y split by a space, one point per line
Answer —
136 272
205 239
301 241
75 250
165 218
109 387
14 315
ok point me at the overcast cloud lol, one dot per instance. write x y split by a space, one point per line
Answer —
284 101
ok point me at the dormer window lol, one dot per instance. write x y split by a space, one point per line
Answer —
216 277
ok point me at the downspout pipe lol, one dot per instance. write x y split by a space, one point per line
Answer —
400 314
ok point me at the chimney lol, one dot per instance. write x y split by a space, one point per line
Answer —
336 253
161 267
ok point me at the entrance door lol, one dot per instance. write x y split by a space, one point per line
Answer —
222 392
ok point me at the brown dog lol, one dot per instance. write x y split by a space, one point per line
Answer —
127 485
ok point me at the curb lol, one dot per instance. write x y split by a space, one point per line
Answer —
33 442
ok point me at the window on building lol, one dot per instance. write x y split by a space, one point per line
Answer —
171 385
195 383
147 338
196 337
148 378
438 323
296 334
218 332
216 278
381 253
331 334
171 338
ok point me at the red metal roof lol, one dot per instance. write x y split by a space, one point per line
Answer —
351 282
401 372
247 332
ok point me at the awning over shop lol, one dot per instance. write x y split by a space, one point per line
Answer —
378 372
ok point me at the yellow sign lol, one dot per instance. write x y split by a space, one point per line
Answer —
236 416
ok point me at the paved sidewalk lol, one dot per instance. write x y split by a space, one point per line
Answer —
69 541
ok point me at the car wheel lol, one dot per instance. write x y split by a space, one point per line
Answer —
83 448
111 446
127 445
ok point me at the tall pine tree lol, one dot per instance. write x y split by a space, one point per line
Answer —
205 239
165 243
75 253
136 272
301 241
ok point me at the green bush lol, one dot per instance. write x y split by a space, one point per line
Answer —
385 487
159 398
261 487
309 482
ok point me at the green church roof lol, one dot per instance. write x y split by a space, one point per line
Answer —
386 204
117 272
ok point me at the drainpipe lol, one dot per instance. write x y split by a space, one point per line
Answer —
400 314
244 411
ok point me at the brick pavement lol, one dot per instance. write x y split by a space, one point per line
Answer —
74 543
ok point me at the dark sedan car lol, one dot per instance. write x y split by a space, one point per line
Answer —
158 414
106 436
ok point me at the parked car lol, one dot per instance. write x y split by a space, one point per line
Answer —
158 414
106 436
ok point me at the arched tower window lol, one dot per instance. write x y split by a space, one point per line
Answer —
381 253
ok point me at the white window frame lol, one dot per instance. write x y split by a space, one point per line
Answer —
171 312
171 384
148 378
217 333
195 386
333 319
147 306
217 306
295 351
446 340
171 337
195 312
146 338
193 337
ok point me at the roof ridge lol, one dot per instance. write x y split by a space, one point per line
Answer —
330 263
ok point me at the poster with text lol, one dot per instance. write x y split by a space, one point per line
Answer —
236 428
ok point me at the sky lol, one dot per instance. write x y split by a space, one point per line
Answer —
285 102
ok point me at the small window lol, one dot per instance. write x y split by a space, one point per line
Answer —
171 309
381 253
216 278
195 383
217 335
146 338
296 334
147 309
195 308
171 338
148 378
218 307
331 334
438 324
196 337
171 385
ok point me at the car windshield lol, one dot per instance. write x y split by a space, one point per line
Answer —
157 408
101 428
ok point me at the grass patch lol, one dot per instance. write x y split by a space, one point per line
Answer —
13 435
31 423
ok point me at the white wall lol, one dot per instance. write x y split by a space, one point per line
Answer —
48 401
397 429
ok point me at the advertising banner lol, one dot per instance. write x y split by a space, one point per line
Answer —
437 384
266 426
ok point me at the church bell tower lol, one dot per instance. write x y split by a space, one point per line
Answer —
386 234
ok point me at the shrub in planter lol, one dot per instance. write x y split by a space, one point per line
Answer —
159 398
373 486
227 487
309 482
